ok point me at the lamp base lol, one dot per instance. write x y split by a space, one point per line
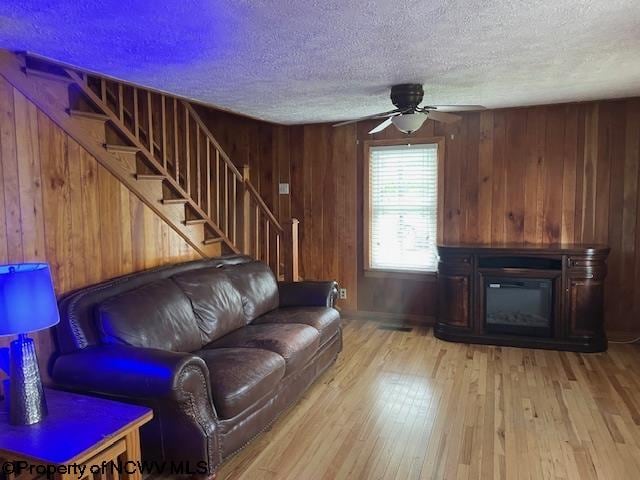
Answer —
27 404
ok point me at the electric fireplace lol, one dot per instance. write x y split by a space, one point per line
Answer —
519 306
535 296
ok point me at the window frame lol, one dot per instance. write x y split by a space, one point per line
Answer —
367 145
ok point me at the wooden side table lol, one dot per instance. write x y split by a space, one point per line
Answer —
80 431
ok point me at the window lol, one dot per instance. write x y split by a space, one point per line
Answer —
403 207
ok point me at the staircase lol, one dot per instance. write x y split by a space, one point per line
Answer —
158 146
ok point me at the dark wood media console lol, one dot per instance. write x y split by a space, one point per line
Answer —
536 296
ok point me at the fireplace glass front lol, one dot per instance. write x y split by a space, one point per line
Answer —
519 306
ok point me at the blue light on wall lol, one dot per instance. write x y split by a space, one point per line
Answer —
27 299
136 39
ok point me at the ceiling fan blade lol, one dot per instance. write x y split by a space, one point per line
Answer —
457 108
368 117
443 117
381 127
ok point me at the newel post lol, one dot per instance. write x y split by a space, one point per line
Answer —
290 233
246 212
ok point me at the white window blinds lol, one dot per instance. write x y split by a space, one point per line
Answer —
403 207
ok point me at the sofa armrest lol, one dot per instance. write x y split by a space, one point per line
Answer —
175 385
308 294
132 372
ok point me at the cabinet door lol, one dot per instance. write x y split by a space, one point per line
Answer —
454 300
585 307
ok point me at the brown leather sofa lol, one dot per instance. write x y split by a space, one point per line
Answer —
216 347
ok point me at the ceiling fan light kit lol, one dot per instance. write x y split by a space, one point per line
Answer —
409 122
408 115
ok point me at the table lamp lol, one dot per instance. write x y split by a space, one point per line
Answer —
27 304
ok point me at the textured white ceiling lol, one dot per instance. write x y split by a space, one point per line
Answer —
299 61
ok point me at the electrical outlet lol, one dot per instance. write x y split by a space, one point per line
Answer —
343 294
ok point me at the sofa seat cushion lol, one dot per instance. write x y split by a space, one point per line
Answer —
240 377
325 320
294 342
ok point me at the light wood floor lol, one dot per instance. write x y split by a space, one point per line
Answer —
404 405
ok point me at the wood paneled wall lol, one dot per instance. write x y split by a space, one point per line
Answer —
60 206
546 174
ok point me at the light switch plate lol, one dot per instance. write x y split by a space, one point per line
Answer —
283 188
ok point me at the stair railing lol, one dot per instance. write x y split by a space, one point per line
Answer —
178 146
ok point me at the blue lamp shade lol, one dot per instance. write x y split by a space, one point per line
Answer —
27 299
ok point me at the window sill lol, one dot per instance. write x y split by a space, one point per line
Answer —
428 277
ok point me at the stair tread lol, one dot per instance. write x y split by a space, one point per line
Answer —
212 240
144 176
121 148
195 221
174 201
85 114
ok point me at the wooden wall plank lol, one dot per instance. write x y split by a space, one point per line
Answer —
335 146
80 262
125 228
346 174
453 171
138 241
534 174
315 155
9 159
57 198
569 176
485 176
92 217
29 179
605 155
108 208
515 171
589 174
498 195
554 169
471 187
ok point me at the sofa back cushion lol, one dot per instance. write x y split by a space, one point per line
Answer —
257 286
156 315
216 303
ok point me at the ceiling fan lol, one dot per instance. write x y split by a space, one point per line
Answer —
408 116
